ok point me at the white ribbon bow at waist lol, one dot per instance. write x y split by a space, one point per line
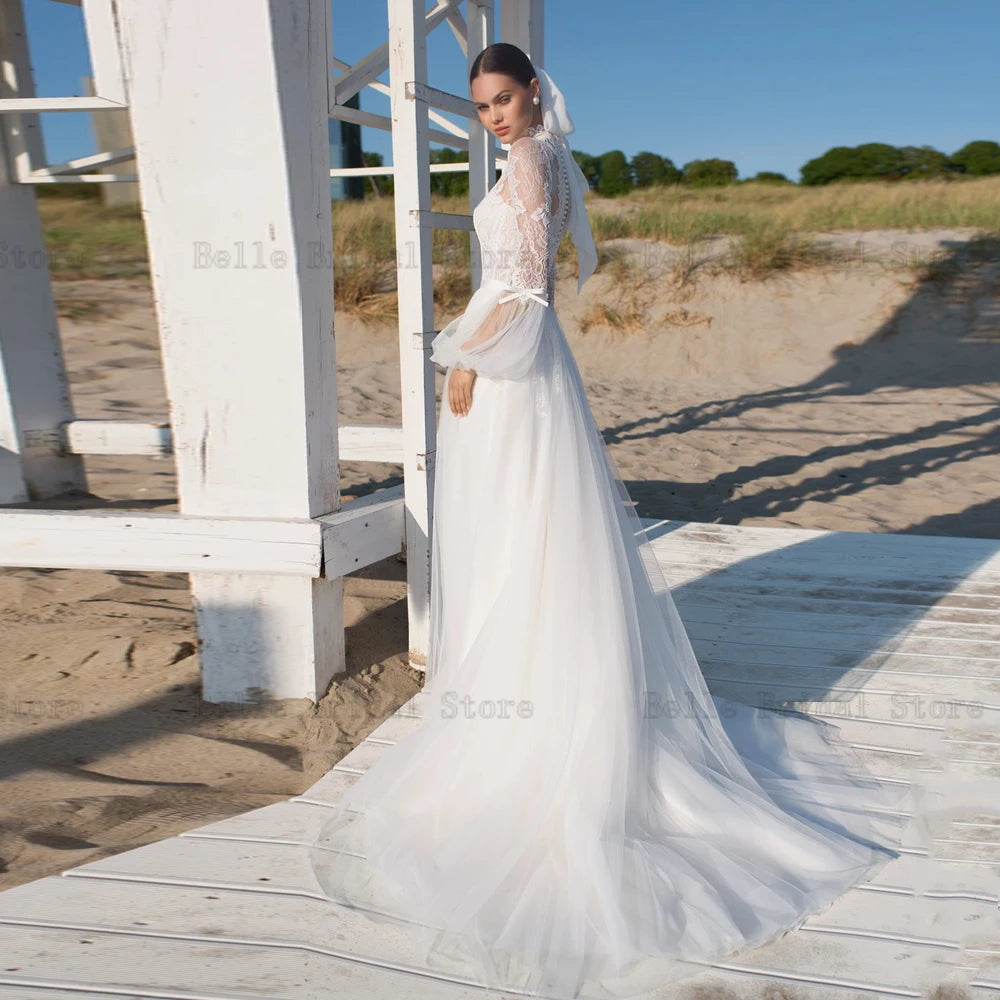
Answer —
509 353
524 293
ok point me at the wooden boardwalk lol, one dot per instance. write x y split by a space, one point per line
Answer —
896 637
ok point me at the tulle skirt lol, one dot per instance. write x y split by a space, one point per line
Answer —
576 815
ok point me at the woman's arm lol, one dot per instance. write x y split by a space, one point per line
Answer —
530 188
499 332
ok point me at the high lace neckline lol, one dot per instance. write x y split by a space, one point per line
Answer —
534 129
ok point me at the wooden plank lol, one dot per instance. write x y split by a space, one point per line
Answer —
916 692
892 668
971 650
160 541
34 105
192 965
161 917
358 442
871 626
889 607
406 54
863 571
763 538
843 958
867 702
362 531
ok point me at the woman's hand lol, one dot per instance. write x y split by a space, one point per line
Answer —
460 390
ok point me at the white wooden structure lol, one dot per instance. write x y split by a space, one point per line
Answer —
857 624
229 104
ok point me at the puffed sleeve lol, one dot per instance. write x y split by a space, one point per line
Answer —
499 332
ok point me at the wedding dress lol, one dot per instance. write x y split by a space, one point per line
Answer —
576 815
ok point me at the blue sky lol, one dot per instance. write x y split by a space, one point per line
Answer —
768 84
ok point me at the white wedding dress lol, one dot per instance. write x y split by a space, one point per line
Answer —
576 815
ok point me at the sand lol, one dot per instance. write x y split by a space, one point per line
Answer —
846 397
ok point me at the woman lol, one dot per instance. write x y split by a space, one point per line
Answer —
576 815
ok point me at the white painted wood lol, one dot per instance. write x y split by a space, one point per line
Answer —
118 437
434 97
81 164
273 882
159 541
371 443
523 23
33 386
365 70
41 176
434 168
407 55
871 561
482 149
448 135
105 51
362 531
35 105
358 442
441 220
246 318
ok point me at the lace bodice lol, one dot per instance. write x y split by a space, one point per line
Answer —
519 224
521 220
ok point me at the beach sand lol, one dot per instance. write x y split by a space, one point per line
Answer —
838 398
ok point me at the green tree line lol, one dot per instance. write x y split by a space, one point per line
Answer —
613 173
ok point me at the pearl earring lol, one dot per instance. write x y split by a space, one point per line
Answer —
534 100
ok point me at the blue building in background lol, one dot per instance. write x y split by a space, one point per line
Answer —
345 151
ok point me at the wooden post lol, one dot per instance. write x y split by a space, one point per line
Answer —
522 23
229 108
34 392
482 158
410 148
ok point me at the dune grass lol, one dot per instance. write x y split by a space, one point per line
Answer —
772 225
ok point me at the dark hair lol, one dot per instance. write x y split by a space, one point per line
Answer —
502 57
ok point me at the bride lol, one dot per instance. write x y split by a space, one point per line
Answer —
576 815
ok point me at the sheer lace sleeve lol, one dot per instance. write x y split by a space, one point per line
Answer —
499 332
530 192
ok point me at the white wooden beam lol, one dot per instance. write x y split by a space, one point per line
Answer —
363 532
17 105
358 442
363 73
410 138
453 137
460 30
482 149
433 97
42 178
522 22
158 541
360 533
451 127
83 163
105 50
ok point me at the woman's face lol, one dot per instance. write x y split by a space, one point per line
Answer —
505 107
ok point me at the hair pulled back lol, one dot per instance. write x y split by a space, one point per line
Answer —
502 57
